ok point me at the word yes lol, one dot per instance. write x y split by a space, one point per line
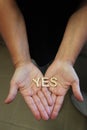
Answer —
45 82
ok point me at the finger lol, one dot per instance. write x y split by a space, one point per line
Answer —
57 106
12 94
48 96
35 89
60 90
44 102
31 104
27 91
76 91
54 100
41 108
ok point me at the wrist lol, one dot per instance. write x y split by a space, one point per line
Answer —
63 61
22 62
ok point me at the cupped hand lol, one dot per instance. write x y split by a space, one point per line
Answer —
66 77
36 100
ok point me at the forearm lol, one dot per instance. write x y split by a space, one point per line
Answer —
74 37
12 28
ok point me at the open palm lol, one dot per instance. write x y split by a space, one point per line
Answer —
33 96
66 77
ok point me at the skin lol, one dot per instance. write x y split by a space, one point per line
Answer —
13 30
62 67
42 104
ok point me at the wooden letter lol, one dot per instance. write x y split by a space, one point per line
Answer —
36 82
45 82
53 82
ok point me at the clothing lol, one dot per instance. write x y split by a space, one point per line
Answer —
45 24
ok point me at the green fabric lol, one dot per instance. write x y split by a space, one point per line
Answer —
17 116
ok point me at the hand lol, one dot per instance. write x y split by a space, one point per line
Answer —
66 77
36 100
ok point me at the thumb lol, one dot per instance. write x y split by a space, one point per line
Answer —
12 94
76 91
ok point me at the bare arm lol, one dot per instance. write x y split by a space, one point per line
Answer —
75 36
62 67
12 28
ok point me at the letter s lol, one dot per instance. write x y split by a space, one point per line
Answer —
53 82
